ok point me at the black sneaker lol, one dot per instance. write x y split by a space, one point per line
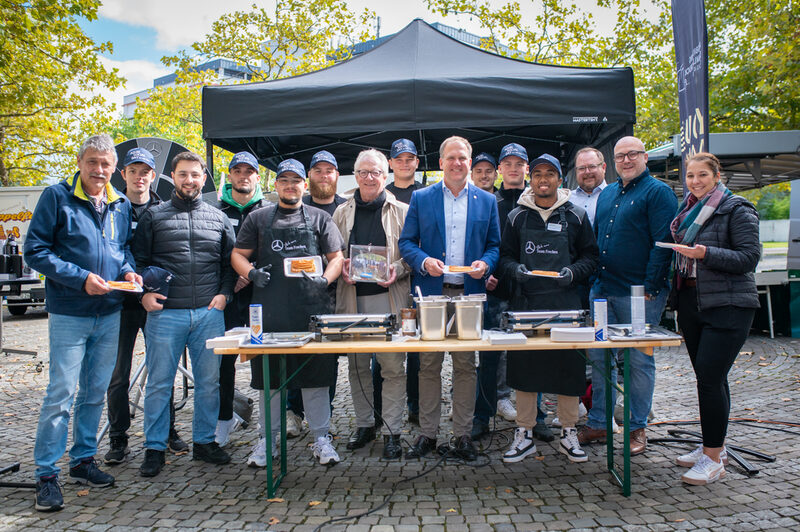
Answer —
153 463
48 494
87 472
210 452
176 444
118 451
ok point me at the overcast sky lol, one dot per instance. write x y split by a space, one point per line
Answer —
143 31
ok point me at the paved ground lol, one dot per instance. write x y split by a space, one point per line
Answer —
546 493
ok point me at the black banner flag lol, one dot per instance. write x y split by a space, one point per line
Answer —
691 55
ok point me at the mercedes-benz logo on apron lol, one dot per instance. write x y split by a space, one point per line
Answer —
530 247
277 245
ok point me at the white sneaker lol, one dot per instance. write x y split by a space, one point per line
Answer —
522 446
258 456
506 410
704 471
582 412
571 447
224 429
323 449
294 425
688 460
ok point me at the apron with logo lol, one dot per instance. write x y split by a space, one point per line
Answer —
554 371
289 302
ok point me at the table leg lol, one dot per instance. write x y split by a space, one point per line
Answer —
284 393
626 426
609 413
268 425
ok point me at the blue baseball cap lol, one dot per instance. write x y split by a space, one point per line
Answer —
139 155
546 158
402 146
244 157
513 149
483 156
323 157
155 279
291 165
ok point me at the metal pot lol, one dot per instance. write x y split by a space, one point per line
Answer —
432 316
469 316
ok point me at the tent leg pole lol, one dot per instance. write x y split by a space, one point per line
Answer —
210 157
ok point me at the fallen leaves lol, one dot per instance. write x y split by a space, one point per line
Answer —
540 458
451 510
82 493
746 353
273 521
314 503
509 491
276 499
786 399
762 358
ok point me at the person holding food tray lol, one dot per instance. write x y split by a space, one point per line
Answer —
548 246
286 242
376 281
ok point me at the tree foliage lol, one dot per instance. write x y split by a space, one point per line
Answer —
772 201
298 36
753 66
50 74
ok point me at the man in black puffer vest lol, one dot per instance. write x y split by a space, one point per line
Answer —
193 241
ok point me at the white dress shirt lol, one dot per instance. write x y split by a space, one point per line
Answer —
455 227
588 201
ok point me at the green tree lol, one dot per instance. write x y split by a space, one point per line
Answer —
50 74
298 36
771 201
754 67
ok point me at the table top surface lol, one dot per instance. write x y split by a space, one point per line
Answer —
415 345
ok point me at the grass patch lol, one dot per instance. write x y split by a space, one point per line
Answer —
775 244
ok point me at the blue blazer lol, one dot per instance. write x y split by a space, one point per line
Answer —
423 236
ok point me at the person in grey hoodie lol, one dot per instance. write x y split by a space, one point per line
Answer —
546 232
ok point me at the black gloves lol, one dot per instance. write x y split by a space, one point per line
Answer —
521 274
565 278
319 281
260 276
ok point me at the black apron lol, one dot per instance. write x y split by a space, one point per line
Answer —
289 302
558 371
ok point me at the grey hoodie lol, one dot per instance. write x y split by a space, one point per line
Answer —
528 199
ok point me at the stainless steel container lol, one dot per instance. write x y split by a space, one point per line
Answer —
432 316
469 316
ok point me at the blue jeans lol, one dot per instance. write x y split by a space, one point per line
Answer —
167 332
642 367
83 352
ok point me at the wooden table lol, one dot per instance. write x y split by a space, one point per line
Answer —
413 345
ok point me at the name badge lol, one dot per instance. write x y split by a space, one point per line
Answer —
234 222
554 227
134 224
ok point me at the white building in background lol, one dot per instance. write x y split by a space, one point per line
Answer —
230 71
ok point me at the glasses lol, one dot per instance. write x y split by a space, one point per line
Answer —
375 174
631 155
589 167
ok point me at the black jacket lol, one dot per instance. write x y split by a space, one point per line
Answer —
583 252
193 240
506 202
237 216
725 277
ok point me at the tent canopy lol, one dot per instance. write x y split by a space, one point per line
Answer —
423 85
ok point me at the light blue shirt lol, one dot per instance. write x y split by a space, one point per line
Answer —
455 227
580 198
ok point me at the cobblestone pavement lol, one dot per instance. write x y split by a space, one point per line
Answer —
547 493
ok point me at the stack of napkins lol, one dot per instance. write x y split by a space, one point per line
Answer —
500 337
572 334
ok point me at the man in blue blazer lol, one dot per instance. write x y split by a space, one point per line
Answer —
451 223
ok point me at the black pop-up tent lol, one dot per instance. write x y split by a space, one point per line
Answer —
425 86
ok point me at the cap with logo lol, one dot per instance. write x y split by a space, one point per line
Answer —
546 158
402 146
513 149
139 155
291 165
483 156
323 157
244 157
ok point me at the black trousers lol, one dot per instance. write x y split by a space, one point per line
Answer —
713 339
119 414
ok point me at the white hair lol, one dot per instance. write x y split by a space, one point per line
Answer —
377 156
101 143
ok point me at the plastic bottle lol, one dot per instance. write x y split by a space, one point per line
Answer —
11 246
638 326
